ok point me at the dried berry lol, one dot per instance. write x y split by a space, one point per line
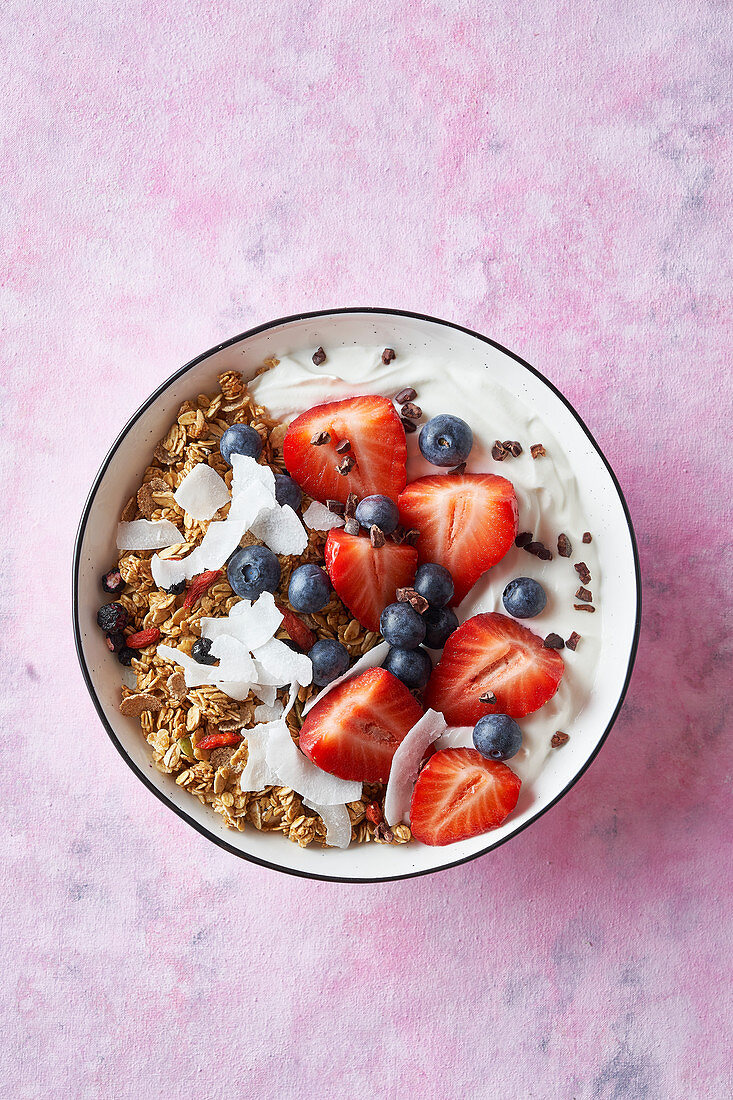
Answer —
176 589
112 617
112 582
143 638
115 641
126 655
373 813
199 585
216 740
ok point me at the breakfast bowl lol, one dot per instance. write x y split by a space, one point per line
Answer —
468 371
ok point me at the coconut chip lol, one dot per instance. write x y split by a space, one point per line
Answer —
278 664
406 765
456 737
257 774
202 492
294 770
135 705
281 530
147 534
235 662
320 518
337 822
264 714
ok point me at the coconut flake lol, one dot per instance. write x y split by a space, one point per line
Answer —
406 765
195 674
247 472
264 714
278 664
235 662
224 536
257 774
337 822
202 492
147 534
294 770
319 518
129 679
372 659
456 737
281 530
255 623
168 571
266 693
237 691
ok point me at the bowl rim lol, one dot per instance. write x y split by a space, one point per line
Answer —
76 563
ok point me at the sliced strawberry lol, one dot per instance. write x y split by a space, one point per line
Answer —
366 577
377 444
296 629
459 794
355 730
492 652
467 522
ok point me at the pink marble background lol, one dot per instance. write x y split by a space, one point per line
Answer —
551 173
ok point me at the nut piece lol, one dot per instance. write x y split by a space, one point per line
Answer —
487 697
376 534
408 425
319 356
320 438
346 466
587 537
176 685
411 412
342 447
564 546
572 641
583 572
513 447
415 600
584 594
559 739
499 451
554 641
351 526
135 705
408 394
537 450
388 355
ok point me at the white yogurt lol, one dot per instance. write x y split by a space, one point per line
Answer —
546 488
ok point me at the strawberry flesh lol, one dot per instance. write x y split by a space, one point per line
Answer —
366 578
376 442
493 653
467 522
459 794
355 730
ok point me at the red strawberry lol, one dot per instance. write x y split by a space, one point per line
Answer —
467 522
355 730
377 443
296 629
366 578
492 652
459 794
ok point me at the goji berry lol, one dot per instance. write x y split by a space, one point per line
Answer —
143 638
217 740
199 585
296 629
373 813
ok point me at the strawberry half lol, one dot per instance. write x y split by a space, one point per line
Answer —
492 652
355 731
460 794
467 522
366 578
377 444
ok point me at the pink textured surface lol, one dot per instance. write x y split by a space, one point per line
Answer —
548 173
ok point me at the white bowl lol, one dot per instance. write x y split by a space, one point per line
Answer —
603 505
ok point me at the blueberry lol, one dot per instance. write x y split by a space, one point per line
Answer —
112 617
125 655
240 439
435 583
401 626
445 440
330 660
287 492
497 736
411 666
440 622
378 511
253 571
524 598
310 588
200 651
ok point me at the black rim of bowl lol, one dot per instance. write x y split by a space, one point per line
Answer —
77 561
